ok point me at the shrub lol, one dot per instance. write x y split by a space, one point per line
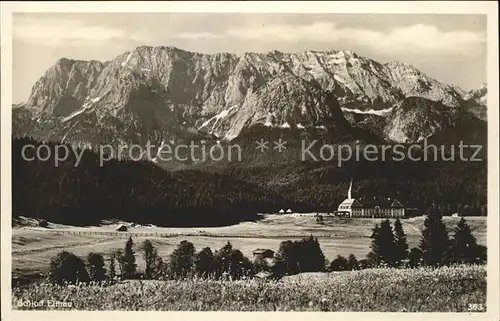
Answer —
205 263
481 254
260 264
339 264
231 263
67 267
352 262
415 257
300 256
364 264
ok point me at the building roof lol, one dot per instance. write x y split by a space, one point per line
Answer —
352 202
372 202
381 202
261 251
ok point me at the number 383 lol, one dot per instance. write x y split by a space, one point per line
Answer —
475 307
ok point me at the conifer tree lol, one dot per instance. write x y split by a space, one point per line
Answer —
464 245
112 267
374 255
383 246
182 260
150 258
400 243
118 255
129 266
434 242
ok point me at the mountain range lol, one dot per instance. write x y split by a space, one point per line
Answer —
163 93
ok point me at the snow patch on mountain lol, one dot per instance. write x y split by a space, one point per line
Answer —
123 64
215 119
382 112
76 113
268 123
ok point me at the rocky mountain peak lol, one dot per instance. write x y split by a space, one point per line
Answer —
162 90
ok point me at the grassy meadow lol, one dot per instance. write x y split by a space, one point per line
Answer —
33 247
447 289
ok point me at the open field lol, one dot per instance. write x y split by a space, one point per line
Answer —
447 289
33 247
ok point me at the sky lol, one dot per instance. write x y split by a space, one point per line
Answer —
450 48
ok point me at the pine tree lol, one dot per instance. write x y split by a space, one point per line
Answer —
434 242
464 245
374 255
383 246
129 265
182 259
400 244
118 255
112 267
150 255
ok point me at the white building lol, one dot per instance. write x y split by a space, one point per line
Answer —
375 208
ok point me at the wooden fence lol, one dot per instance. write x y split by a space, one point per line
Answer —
167 235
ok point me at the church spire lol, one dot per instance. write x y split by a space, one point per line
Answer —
349 196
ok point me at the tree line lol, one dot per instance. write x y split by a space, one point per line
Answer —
452 187
389 248
145 193
136 191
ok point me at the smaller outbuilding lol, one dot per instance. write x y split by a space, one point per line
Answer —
121 228
282 211
263 253
289 211
43 223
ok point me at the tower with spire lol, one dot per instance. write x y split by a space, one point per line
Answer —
383 207
350 206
